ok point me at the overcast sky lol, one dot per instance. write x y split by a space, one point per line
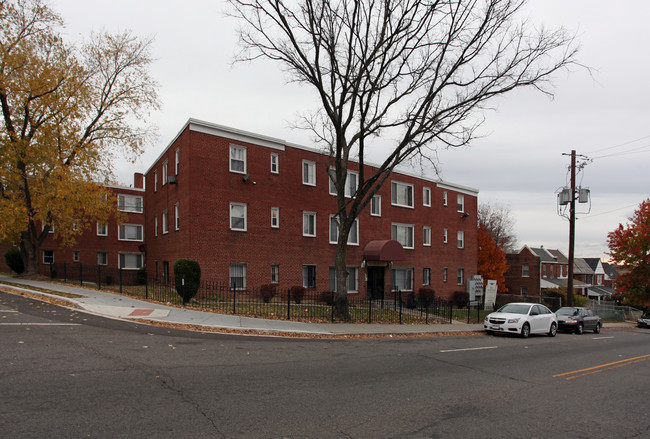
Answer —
520 162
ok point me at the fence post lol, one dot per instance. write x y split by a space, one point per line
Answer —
99 277
400 306
234 300
81 276
332 310
468 311
146 284
288 303
369 309
183 290
119 270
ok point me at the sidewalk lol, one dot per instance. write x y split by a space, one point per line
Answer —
127 308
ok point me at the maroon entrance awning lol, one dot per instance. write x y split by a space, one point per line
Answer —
388 250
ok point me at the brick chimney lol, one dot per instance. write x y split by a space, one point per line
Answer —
138 180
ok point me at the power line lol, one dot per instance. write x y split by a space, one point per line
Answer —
620 144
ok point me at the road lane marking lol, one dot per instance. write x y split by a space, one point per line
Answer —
600 368
8 310
602 338
469 349
40 324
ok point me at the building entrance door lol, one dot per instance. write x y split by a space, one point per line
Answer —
376 282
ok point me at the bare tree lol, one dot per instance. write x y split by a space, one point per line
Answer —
411 72
498 221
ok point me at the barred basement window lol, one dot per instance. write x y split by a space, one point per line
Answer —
238 276
309 276
102 258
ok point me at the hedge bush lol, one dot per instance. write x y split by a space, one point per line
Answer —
268 292
297 293
187 278
426 296
14 260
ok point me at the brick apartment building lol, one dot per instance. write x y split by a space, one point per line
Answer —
255 210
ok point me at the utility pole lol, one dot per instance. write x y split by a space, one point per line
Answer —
572 230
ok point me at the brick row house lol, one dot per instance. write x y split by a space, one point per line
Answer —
255 210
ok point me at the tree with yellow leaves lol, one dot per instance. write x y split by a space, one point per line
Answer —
67 112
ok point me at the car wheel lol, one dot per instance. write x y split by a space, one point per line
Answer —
597 328
525 330
553 330
489 332
579 329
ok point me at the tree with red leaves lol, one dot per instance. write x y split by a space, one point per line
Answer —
629 247
491 259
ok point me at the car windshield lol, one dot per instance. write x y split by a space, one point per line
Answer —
514 308
567 311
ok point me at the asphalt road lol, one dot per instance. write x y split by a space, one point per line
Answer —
65 374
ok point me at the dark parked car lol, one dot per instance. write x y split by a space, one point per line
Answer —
644 320
577 319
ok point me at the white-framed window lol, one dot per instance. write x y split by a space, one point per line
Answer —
444 198
401 194
426 276
461 239
177 218
51 230
352 282
375 205
237 159
351 183
177 160
129 203
426 196
309 224
445 274
403 233
238 276
130 232
275 273
426 236
275 217
102 258
155 180
460 201
238 216
308 173
353 236
155 225
403 279
525 270
275 163
75 256
165 222
130 261
102 229
309 276
164 172
74 227
445 236
48 256
460 277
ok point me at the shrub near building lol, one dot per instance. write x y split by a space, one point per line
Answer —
187 278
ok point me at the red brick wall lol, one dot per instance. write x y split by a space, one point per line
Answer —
206 188
514 279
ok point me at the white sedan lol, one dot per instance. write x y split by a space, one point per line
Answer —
523 319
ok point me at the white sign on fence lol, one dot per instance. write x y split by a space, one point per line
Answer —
475 288
490 294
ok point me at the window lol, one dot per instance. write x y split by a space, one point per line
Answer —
426 236
524 291
426 197
353 236
102 229
352 282
402 194
165 221
275 217
445 236
445 274
461 239
461 203
74 227
275 163
275 273
237 159
426 276
238 276
375 205
403 233
461 276
177 218
102 258
525 271
308 224
48 256
164 172
444 198
155 181
129 203
130 232
130 261
51 230
402 279
75 256
351 183
308 173
238 216
309 276
177 159
155 225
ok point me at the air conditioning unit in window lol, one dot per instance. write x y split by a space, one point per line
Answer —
171 179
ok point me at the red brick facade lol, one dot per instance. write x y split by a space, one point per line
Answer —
203 186
523 275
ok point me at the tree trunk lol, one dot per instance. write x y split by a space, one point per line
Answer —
29 250
341 310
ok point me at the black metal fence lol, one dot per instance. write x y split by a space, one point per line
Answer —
271 303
